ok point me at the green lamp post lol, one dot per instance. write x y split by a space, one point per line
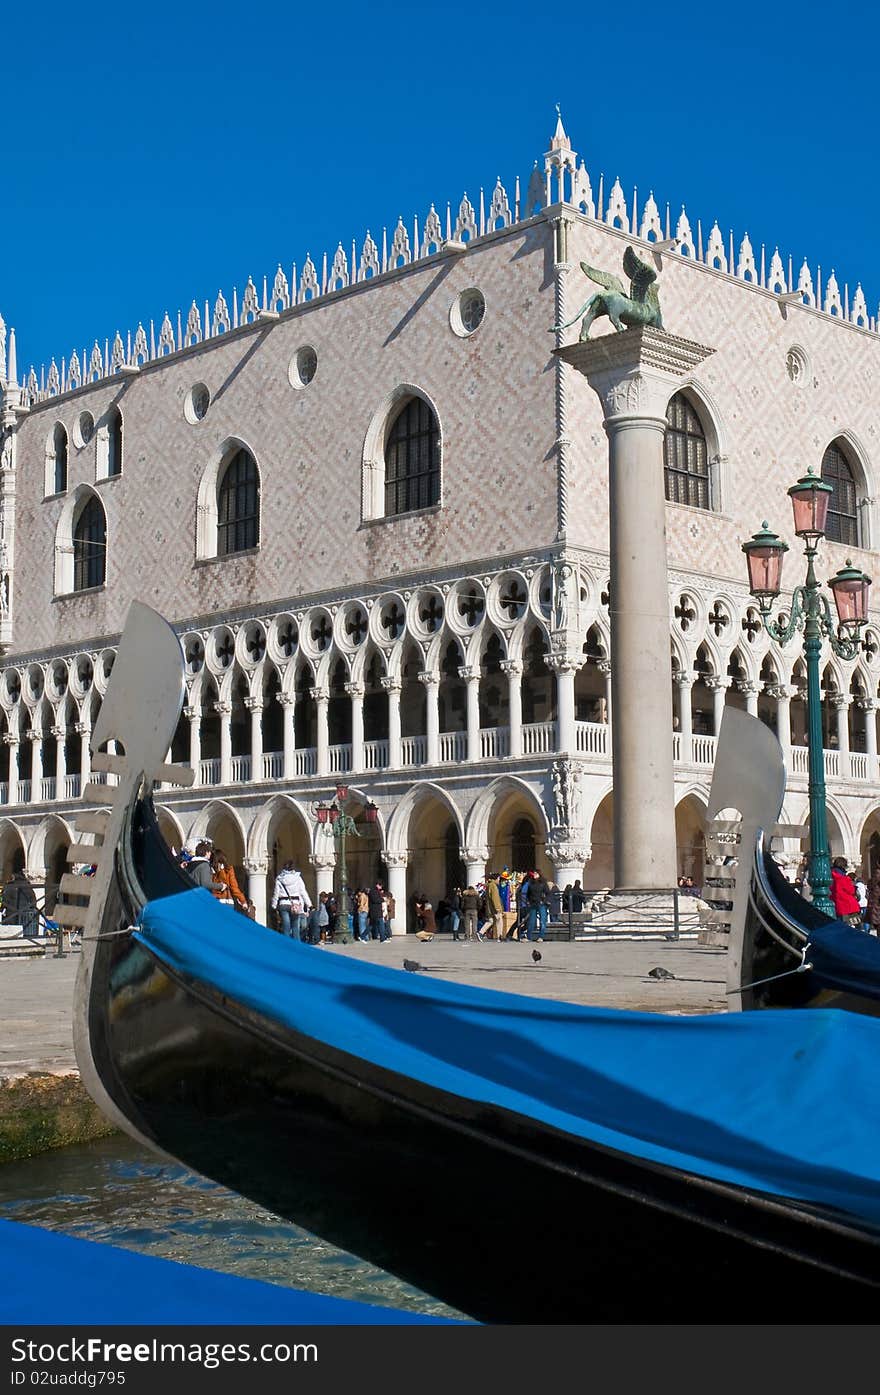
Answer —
811 613
342 826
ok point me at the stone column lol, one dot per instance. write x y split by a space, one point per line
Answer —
11 739
475 864
392 687
35 735
869 707
194 716
324 865
431 683
568 858
840 703
604 667
565 666
257 869
471 676
288 706
322 755
750 692
782 693
718 688
60 734
225 710
254 705
356 693
84 732
683 682
634 374
397 864
514 669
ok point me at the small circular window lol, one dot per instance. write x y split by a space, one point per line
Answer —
303 366
198 400
84 429
467 312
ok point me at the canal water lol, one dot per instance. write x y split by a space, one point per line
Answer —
115 1192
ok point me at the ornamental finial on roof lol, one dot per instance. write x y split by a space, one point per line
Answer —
560 140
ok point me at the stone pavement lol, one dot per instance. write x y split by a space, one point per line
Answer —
37 994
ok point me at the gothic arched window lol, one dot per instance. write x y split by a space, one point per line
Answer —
522 846
843 517
90 546
60 455
114 442
412 459
686 456
238 505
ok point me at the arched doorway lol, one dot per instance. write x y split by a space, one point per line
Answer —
690 843
434 852
599 871
517 835
12 858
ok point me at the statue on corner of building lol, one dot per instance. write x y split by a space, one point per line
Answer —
640 307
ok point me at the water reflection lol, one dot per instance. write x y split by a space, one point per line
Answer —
114 1192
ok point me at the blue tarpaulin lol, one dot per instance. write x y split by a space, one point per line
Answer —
845 958
784 1102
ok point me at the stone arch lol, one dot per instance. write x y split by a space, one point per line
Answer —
864 478
433 833
206 498
397 831
599 871
47 856
373 457
869 842
12 849
170 826
480 816
74 505
690 842
222 823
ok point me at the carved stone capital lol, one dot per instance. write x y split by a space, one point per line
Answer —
867 704
286 699
469 673
474 855
432 680
34 734
563 853
780 691
636 371
512 667
563 663
59 733
744 685
603 666
82 728
395 859
192 714
839 700
256 866
682 678
10 738
355 690
715 682
391 685
224 708
321 861
253 704
320 694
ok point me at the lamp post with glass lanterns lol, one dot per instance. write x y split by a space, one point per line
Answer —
811 613
342 826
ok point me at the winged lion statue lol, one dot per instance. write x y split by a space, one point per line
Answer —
640 307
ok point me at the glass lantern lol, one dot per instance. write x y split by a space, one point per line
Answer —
809 501
764 553
850 589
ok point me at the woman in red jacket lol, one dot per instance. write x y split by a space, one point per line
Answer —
844 894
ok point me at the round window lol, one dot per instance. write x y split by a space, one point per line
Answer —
84 429
467 312
303 366
198 400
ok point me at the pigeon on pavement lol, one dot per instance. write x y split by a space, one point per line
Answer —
536 955
411 966
660 973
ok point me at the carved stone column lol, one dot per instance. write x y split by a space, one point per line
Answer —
254 705
431 684
683 682
604 667
11 739
356 693
322 755
35 736
869 706
225 711
288 707
634 374
471 676
84 732
475 860
565 667
257 869
783 694
60 734
392 687
568 857
718 688
194 716
324 865
750 692
397 864
840 703
514 670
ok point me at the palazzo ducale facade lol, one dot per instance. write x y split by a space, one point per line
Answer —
374 506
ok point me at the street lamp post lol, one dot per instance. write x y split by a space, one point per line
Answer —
811 613
342 826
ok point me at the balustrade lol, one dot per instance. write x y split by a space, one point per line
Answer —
538 738
4 792
273 765
241 769
305 761
72 786
209 771
376 754
24 791
413 750
47 788
340 759
494 743
591 738
453 746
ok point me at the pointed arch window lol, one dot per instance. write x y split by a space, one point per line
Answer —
114 442
686 456
90 546
412 459
60 450
238 505
842 524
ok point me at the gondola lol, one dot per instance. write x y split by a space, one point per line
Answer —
782 951
525 1161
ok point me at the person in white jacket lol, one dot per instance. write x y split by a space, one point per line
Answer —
291 900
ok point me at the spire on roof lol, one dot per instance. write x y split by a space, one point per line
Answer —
560 140
559 158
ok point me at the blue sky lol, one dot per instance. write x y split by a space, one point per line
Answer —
156 153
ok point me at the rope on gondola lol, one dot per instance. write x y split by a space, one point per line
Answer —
801 968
